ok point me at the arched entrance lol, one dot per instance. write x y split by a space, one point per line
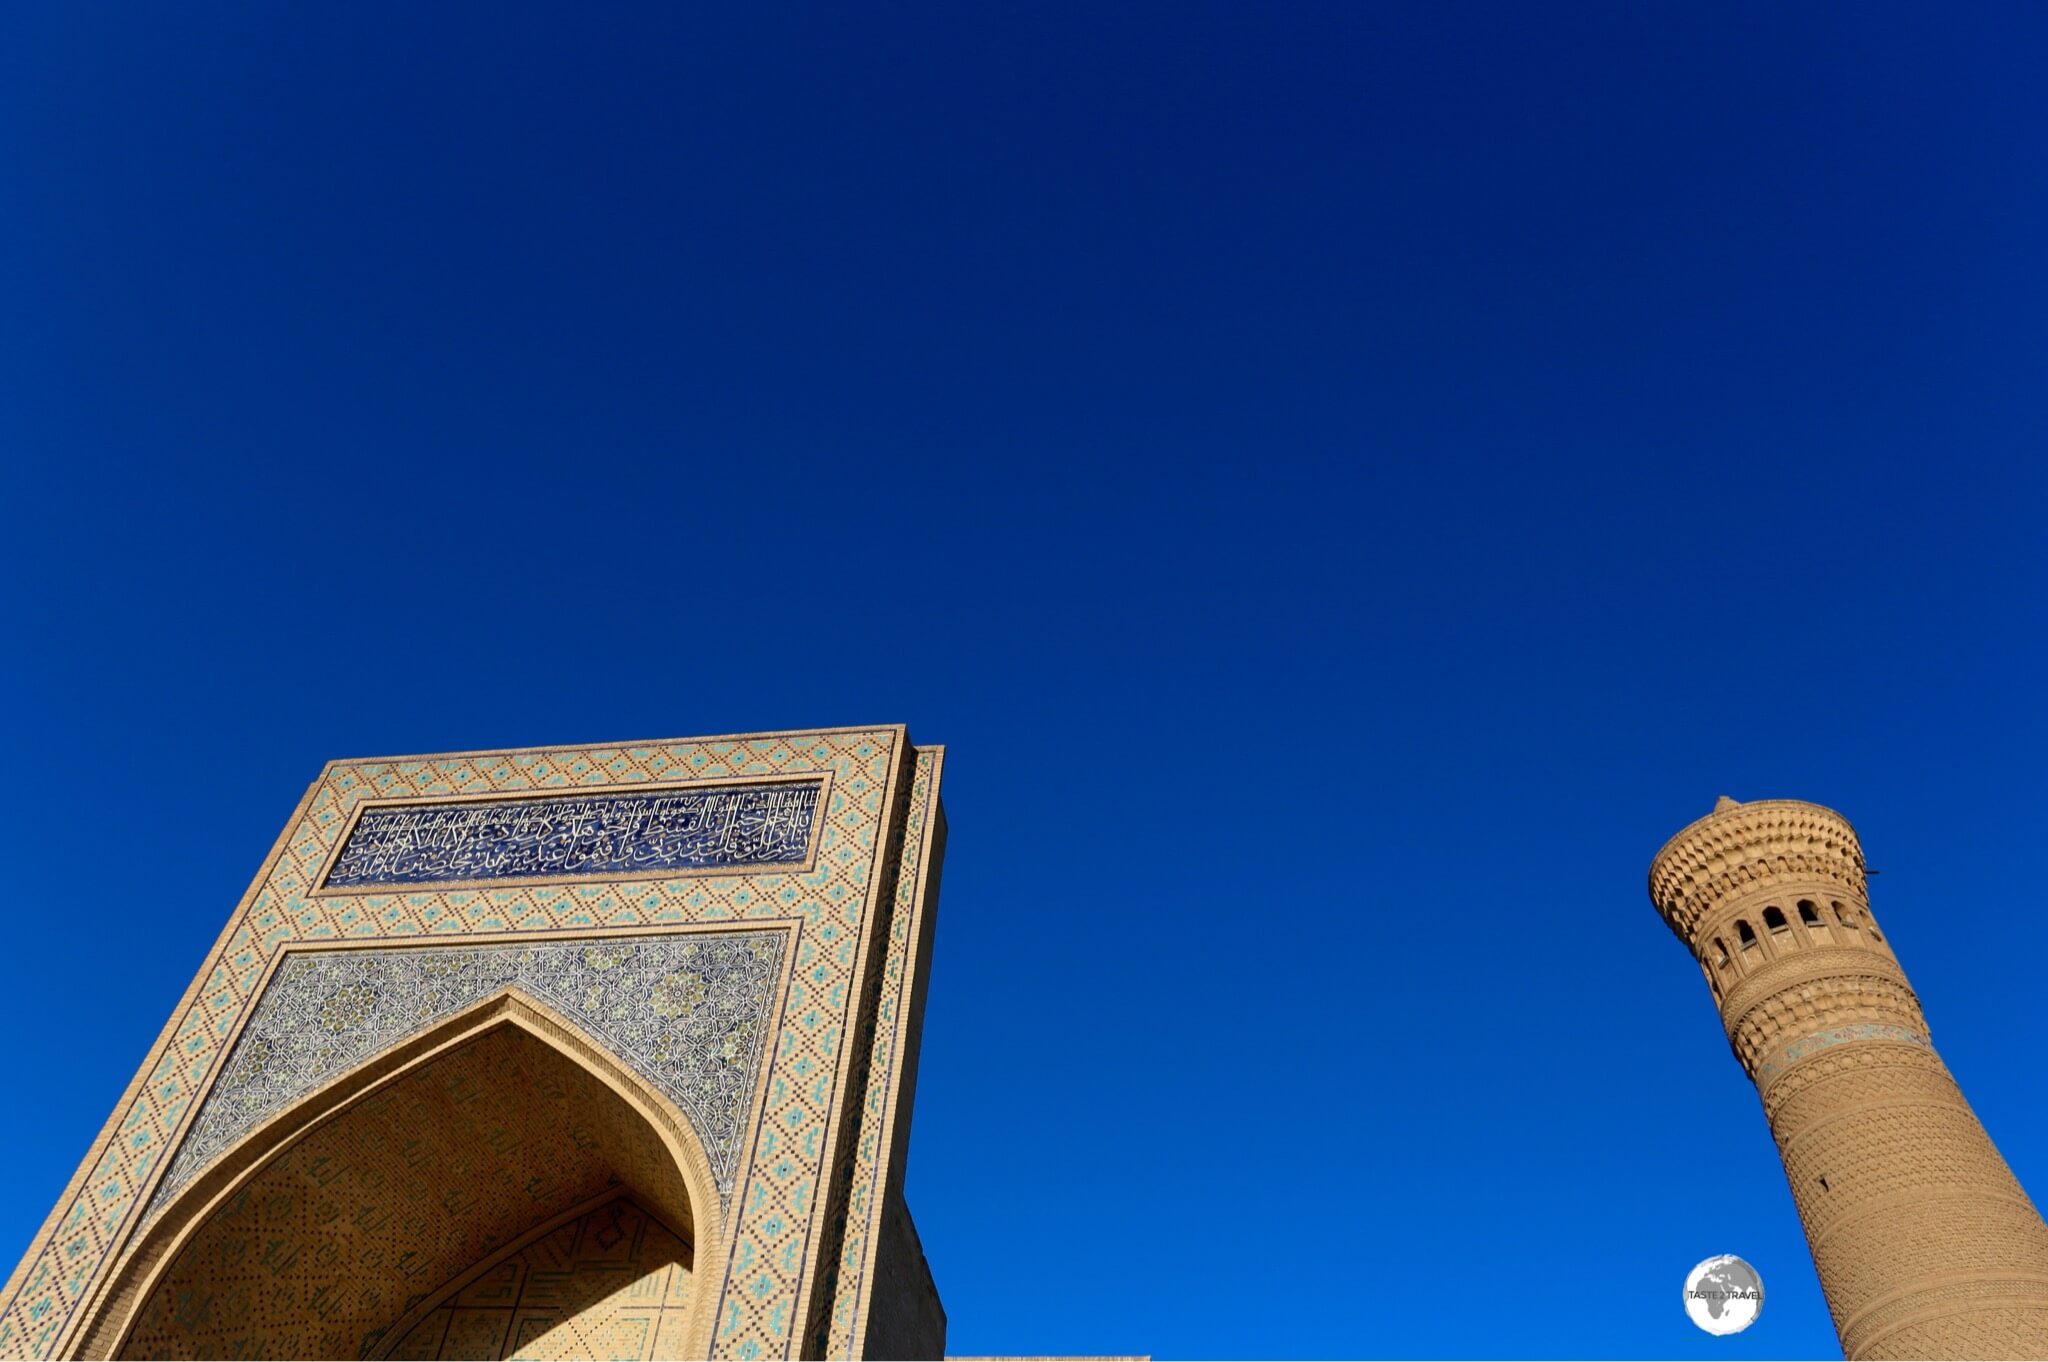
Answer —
499 1171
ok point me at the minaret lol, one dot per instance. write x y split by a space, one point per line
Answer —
1926 1244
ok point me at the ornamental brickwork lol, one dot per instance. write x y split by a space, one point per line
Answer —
1925 1242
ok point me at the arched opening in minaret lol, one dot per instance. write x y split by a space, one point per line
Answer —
501 1188
1774 918
1807 914
1745 935
1842 916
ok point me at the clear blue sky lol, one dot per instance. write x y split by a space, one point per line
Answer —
1345 482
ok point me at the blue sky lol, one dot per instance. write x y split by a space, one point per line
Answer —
1345 483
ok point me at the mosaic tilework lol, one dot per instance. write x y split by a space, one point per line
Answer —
585 836
688 1011
838 1332
612 1283
776 1204
833 1151
327 1248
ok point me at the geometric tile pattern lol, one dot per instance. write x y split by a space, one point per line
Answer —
777 1207
869 1151
613 1283
688 1011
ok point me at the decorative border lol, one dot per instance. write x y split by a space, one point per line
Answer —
883 1145
321 889
731 1312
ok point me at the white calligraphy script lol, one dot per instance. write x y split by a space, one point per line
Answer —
626 833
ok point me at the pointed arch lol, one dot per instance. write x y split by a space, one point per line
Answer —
592 1124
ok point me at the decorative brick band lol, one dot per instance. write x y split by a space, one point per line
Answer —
1799 1049
1831 969
2028 1291
1723 855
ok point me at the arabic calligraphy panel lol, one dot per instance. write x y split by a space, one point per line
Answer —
631 833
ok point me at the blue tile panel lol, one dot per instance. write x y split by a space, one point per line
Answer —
689 1011
632 833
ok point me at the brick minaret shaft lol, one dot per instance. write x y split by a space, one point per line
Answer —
1925 1242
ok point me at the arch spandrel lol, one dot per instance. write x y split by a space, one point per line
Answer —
689 1010
325 1229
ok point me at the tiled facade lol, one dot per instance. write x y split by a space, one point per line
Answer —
744 966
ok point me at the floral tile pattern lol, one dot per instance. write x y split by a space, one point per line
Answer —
688 1011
